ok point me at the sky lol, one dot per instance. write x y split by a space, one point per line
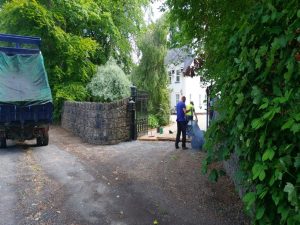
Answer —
153 13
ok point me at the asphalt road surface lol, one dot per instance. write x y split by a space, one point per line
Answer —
132 183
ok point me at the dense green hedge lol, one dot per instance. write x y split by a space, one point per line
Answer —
259 109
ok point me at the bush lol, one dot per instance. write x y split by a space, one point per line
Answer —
109 84
152 121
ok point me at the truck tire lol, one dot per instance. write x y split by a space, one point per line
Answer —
39 141
45 139
3 143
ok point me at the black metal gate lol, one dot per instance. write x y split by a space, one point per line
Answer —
139 105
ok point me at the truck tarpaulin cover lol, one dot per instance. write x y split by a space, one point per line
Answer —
23 80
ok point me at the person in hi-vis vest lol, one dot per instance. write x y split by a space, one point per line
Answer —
189 117
191 110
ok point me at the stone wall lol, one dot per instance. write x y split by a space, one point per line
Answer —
98 123
231 167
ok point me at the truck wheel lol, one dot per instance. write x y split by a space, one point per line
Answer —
45 139
39 141
3 143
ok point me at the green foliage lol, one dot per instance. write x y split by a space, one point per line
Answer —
66 55
73 91
76 36
152 121
151 74
109 84
252 57
259 110
193 21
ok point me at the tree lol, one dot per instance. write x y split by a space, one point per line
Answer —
151 75
76 36
67 56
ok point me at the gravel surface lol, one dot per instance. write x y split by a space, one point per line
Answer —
133 183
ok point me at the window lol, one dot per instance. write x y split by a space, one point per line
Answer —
170 77
173 71
201 79
178 76
177 98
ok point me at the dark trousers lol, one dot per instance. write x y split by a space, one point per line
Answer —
181 128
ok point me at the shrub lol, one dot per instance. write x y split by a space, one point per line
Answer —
152 121
109 84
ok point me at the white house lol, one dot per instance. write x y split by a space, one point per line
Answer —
183 80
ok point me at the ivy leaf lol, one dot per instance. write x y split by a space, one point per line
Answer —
258 62
271 7
292 195
262 50
295 128
284 211
298 13
256 94
270 114
240 122
258 171
268 154
288 124
262 175
265 18
265 104
276 198
240 98
290 68
257 123
249 199
297 117
275 44
237 61
260 212
283 41
262 140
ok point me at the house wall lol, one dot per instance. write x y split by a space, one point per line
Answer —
190 87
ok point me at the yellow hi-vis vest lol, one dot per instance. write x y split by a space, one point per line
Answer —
191 108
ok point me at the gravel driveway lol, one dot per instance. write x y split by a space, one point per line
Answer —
132 183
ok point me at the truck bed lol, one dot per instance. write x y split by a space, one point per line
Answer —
34 114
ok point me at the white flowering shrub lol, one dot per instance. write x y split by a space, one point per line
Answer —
109 84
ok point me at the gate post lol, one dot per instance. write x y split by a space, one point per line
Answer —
133 92
132 109
207 107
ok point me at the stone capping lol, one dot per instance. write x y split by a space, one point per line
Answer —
98 123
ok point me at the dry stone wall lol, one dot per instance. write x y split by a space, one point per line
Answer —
232 168
98 123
